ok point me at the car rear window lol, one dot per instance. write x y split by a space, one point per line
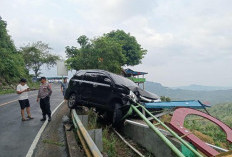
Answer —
122 80
79 75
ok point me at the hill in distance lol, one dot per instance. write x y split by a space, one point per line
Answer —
212 96
196 87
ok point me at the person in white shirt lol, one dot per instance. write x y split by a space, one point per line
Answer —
22 91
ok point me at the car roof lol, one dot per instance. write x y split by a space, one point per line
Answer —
93 70
97 70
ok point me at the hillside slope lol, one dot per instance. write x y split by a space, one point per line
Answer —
214 97
210 132
196 87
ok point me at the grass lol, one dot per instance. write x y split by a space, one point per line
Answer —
34 85
12 88
109 142
206 130
61 144
6 91
92 119
113 146
212 133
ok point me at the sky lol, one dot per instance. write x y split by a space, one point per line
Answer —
188 41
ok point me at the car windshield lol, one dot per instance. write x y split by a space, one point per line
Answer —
123 81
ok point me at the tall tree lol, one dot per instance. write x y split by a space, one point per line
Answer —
108 52
12 65
132 51
37 54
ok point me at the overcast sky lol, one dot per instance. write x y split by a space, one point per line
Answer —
188 41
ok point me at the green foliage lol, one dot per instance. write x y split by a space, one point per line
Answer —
83 41
221 112
109 52
92 119
6 91
165 99
12 66
109 143
132 51
37 54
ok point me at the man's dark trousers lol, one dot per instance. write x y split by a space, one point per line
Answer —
45 106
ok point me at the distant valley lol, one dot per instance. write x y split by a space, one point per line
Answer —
201 88
212 96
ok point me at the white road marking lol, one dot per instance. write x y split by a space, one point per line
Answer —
13 101
37 137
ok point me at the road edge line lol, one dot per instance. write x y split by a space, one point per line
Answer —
37 137
6 103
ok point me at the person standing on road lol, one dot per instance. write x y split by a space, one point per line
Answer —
22 91
64 86
44 93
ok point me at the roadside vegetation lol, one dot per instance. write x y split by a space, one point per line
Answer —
8 89
113 146
15 64
207 130
108 52
12 66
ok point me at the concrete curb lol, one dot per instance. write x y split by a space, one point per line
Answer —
72 146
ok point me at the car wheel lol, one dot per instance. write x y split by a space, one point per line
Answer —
72 101
117 115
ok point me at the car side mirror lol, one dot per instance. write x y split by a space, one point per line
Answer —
107 80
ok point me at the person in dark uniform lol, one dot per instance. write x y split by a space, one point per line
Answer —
44 93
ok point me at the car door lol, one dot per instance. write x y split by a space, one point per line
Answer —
87 86
102 90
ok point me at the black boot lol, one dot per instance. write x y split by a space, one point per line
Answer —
43 119
49 118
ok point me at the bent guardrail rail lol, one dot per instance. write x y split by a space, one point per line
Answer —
89 146
156 130
177 124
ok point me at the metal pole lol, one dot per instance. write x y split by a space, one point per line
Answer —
172 132
174 149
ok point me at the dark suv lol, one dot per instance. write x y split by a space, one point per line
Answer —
106 91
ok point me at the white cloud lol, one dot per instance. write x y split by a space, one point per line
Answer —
188 41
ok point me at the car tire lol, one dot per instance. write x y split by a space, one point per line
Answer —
117 115
72 101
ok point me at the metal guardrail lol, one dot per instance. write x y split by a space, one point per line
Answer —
156 130
91 149
89 146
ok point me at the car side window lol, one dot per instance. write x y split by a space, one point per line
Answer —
90 77
103 79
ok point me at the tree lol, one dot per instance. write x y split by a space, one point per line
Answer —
165 99
83 41
37 54
12 66
97 54
108 52
132 51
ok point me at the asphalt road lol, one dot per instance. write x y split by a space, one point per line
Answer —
16 136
